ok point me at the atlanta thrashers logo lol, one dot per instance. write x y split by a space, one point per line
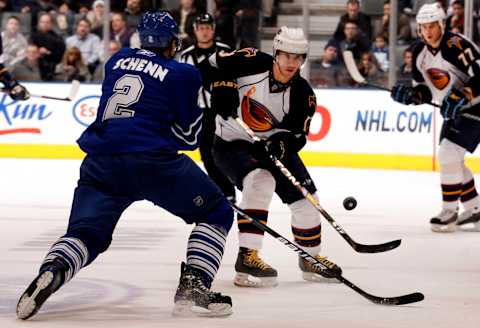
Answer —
455 41
439 78
255 114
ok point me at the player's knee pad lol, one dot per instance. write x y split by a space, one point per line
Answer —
221 215
304 215
450 154
258 189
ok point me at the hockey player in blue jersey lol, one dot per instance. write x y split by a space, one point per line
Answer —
148 111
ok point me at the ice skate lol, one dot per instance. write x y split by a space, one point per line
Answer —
252 271
469 220
50 278
193 298
444 221
314 273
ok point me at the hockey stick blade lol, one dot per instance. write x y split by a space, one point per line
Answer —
361 248
75 86
355 73
378 248
398 300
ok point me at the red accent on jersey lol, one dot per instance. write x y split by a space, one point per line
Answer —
439 77
255 114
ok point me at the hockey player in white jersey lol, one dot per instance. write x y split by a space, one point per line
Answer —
271 97
446 70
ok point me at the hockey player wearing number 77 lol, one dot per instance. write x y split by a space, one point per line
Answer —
148 111
271 97
446 69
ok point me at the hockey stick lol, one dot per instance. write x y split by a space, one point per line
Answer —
75 86
361 248
357 77
397 300
72 94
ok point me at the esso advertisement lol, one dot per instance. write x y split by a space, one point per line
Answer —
85 109
369 121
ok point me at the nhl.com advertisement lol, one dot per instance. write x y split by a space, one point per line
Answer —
345 122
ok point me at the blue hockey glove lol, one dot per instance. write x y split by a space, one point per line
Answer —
402 94
452 104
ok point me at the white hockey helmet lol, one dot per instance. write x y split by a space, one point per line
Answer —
429 13
291 40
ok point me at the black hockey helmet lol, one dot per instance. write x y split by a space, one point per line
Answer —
204 19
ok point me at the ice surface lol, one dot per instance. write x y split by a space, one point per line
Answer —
132 284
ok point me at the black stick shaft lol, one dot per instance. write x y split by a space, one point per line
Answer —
312 200
399 300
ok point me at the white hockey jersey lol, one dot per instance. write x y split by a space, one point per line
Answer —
454 64
266 105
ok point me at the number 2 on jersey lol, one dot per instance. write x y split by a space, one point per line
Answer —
127 91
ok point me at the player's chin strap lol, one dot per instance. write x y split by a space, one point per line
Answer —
361 248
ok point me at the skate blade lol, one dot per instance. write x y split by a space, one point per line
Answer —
27 306
469 227
246 280
451 227
315 277
187 309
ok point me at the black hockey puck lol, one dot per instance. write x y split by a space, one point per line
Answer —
349 203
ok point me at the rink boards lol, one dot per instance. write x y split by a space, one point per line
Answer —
351 128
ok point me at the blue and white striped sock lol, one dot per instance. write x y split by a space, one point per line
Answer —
205 249
72 251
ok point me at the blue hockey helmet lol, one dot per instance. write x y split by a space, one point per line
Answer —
157 29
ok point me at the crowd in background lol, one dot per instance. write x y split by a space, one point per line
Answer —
368 39
62 40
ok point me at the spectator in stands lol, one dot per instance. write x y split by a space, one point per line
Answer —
28 69
404 31
72 67
13 42
185 17
370 70
113 48
380 51
247 15
353 13
327 71
89 44
133 12
404 74
224 21
354 41
64 19
95 16
456 21
5 6
51 46
269 12
119 30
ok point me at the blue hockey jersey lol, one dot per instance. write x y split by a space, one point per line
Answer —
148 103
